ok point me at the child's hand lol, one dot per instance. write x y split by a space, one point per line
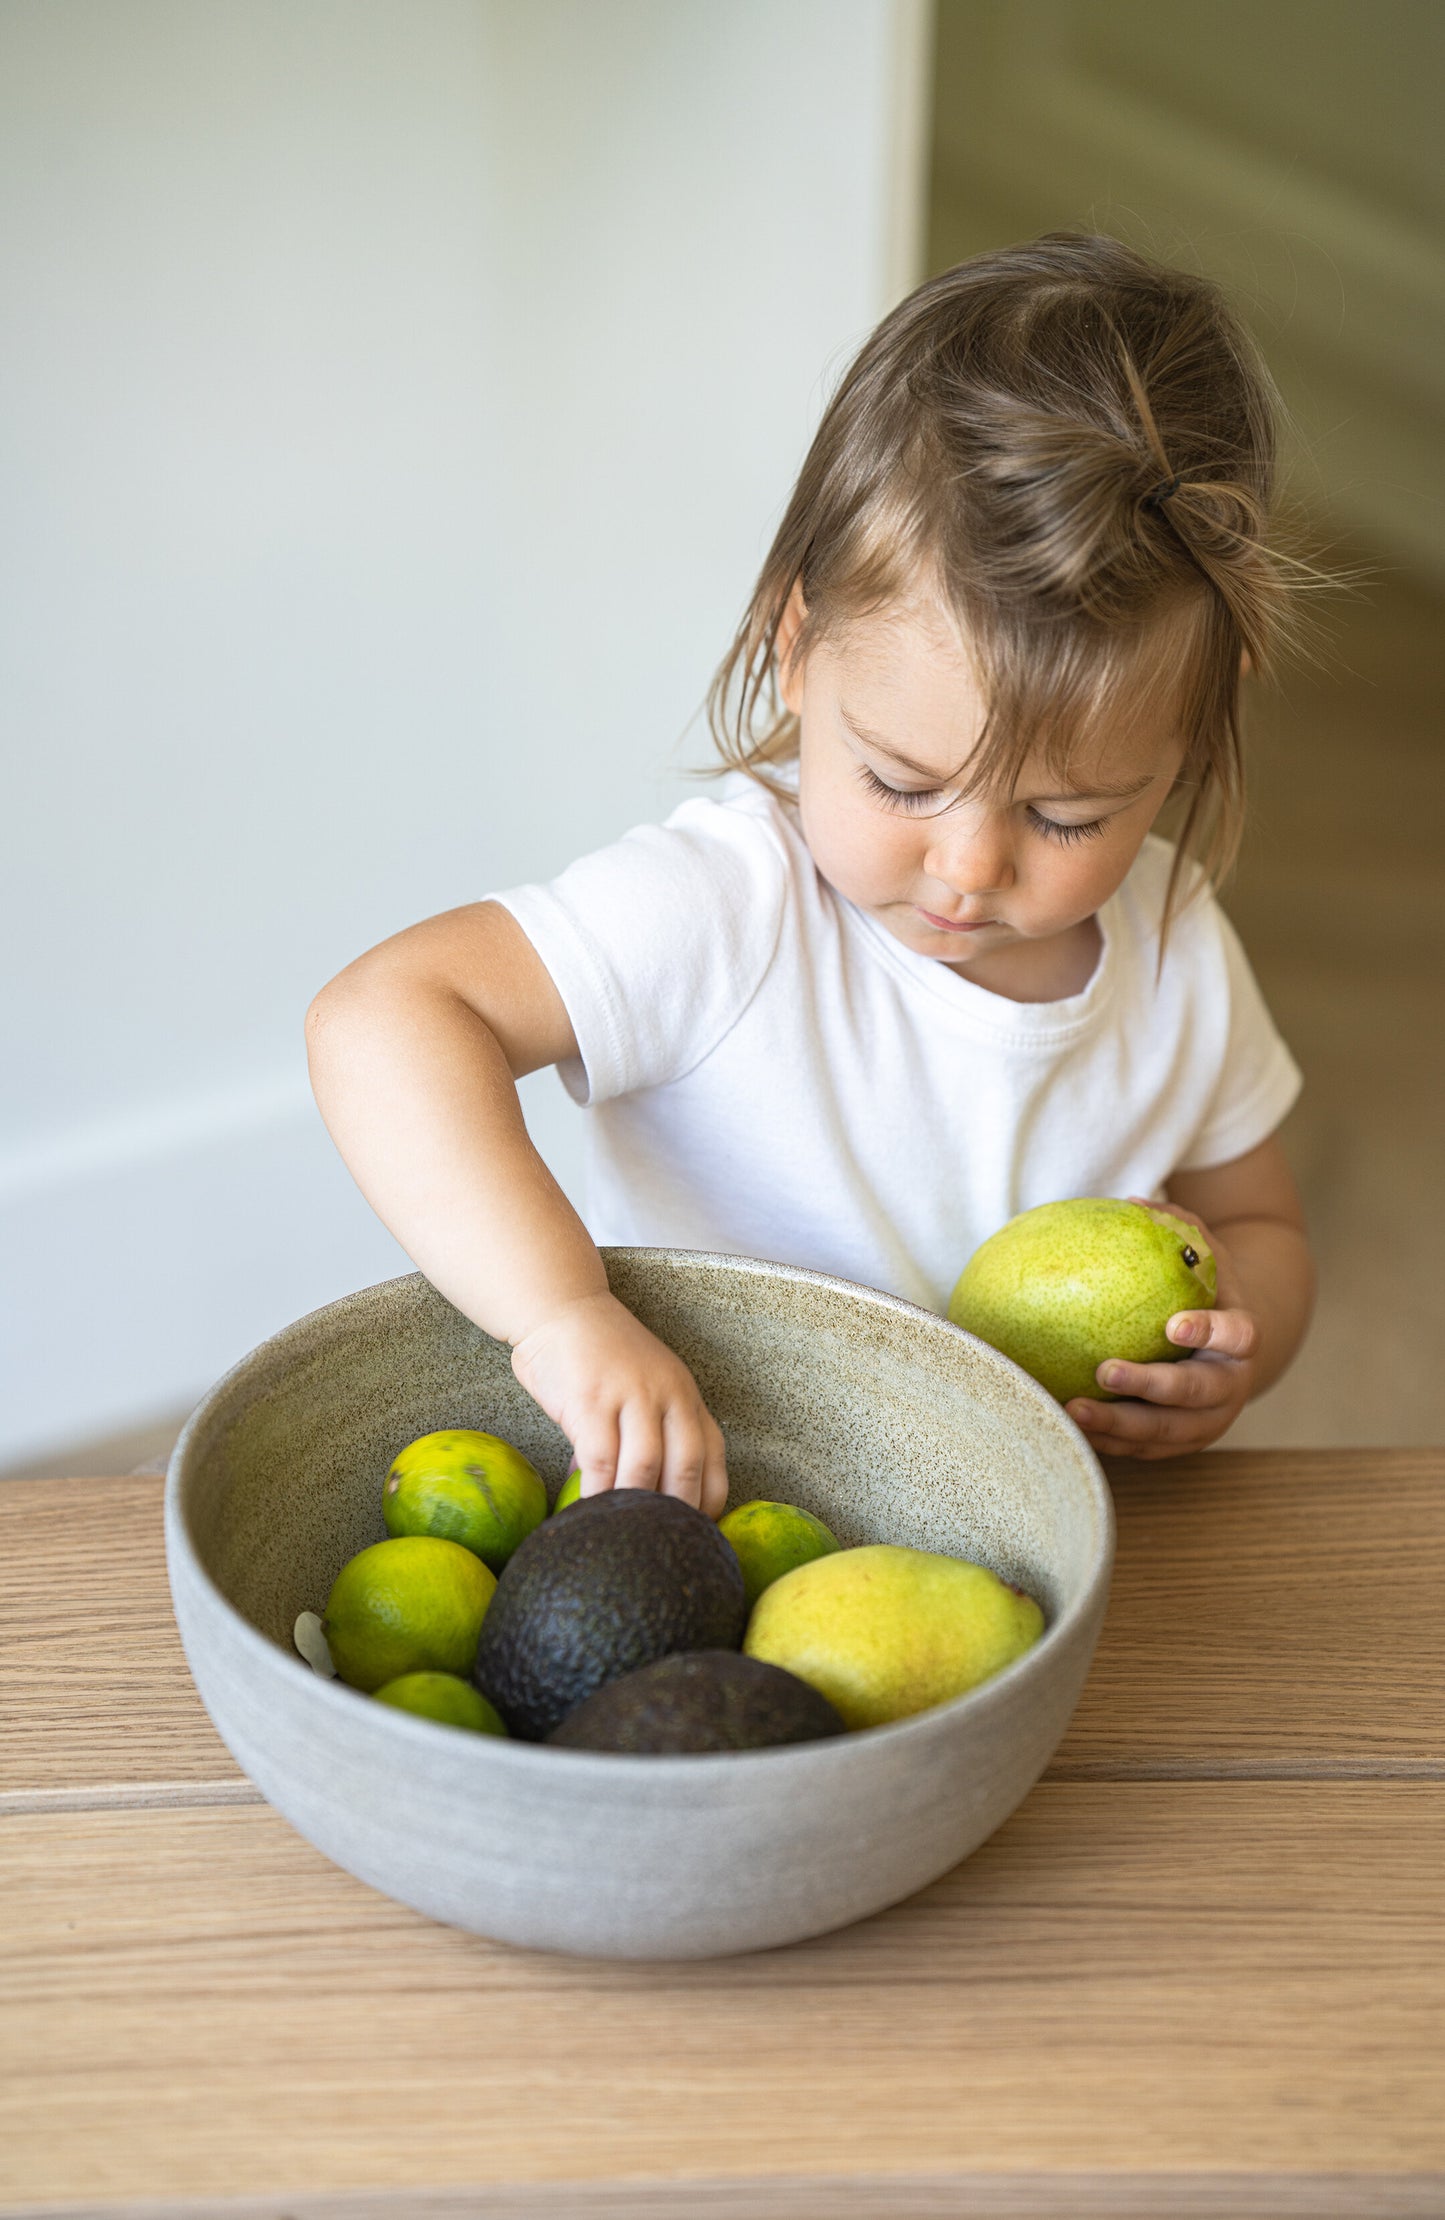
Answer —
628 1405
1171 1407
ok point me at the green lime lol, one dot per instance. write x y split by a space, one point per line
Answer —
445 1697
468 1487
569 1492
414 1605
770 1539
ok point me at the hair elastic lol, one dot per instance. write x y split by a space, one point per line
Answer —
1156 497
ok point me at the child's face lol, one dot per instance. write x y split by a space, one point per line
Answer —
1005 890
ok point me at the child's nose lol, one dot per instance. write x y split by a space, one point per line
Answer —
972 855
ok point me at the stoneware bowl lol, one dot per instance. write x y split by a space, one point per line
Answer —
884 1420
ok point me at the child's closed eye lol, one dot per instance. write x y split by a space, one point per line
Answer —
902 797
936 799
1052 829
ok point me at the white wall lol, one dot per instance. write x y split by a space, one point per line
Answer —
397 398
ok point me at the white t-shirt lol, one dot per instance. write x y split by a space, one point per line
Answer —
769 1073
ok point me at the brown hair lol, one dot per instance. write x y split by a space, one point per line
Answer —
1063 444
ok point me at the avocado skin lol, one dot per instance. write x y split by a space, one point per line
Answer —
704 1700
624 1579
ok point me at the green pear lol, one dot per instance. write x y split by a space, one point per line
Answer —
883 1632
1061 1288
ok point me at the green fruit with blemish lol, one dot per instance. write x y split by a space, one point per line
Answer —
1063 1288
461 1485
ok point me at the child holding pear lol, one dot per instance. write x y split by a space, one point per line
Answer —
920 962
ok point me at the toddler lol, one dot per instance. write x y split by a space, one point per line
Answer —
920 961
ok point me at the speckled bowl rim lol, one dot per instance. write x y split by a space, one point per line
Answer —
580 1765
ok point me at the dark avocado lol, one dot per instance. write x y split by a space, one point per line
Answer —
704 1700
623 1579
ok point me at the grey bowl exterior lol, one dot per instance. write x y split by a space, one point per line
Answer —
883 1419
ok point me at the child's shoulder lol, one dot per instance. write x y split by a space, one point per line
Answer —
740 823
711 879
740 796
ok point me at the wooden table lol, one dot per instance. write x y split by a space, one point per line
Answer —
1201 1971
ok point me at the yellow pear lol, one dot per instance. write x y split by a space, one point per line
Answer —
1063 1287
884 1632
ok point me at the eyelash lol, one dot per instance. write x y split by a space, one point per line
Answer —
913 798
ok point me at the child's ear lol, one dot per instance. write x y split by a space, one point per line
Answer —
1245 665
790 676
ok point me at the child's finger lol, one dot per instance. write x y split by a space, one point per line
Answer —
714 1469
641 1455
1142 1452
594 1452
1122 1428
683 1456
1229 1333
1187 1386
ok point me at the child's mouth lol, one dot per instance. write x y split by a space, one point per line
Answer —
953 925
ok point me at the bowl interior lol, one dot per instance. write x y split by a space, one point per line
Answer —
884 1421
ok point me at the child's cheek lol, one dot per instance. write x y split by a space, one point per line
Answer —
849 842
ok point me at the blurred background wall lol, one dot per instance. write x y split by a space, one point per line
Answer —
397 399
1292 150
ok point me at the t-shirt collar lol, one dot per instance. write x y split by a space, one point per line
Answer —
980 1006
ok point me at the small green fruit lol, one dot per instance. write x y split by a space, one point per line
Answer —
445 1697
771 1539
1062 1288
569 1492
462 1485
411 1605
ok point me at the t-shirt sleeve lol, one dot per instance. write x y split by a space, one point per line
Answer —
658 943
1259 1079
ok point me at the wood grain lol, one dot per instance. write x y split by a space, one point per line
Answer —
1270 1616
95 1692
1018 2195
1174 1981
1149 1993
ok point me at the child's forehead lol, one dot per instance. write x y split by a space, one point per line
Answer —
908 672
884 642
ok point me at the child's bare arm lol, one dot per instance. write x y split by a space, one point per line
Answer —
1250 1214
415 1050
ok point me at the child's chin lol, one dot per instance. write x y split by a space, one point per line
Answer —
941 948
931 940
